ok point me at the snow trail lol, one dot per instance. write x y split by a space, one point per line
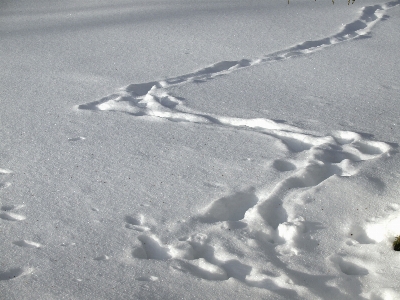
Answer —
262 221
152 99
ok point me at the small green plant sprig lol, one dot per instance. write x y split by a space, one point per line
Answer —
396 244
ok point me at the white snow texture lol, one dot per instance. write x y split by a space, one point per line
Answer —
272 175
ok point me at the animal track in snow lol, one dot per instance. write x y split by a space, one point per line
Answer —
147 278
11 207
263 219
359 234
152 98
151 248
283 165
5 171
135 223
4 185
15 273
76 139
260 221
363 247
196 256
379 229
102 257
348 267
7 213
27 244
230 208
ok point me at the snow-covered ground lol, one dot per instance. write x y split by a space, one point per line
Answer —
194 149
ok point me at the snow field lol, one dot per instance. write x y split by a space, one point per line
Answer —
201 204
258 218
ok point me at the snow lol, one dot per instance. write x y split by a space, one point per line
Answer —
199 149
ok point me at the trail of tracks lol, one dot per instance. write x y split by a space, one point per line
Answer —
260 219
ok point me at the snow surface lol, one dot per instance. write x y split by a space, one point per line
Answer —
193 149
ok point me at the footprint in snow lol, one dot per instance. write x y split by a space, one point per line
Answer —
102 258
151 248
349 268
282 165
76 139
4 185
147 278
229 208
15 273
27 244
135 223
7 213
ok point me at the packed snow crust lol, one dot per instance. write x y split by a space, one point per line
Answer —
197 149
